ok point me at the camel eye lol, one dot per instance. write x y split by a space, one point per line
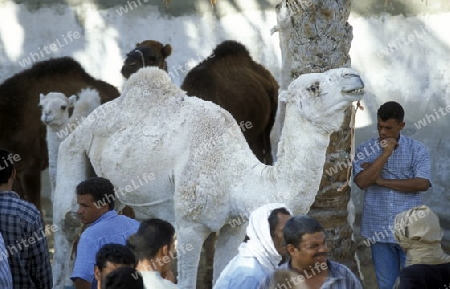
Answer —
63 107
314 89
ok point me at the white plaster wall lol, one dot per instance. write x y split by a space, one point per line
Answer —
416 73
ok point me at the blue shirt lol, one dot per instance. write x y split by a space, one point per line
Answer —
110 228
26 243
242 272
5 272
409 160
339 276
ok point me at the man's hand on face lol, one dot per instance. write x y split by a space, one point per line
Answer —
388 145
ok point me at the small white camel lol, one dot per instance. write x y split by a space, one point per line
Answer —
205 174
55 115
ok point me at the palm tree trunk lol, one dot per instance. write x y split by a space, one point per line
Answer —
314 37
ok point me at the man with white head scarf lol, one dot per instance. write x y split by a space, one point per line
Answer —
261 253
418 232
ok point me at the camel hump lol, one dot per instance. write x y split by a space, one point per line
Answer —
151 79
229 47
56 66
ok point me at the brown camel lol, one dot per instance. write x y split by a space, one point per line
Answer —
146 53
21 131
230 78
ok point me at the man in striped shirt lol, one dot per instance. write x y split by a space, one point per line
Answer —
306 244
24 234
392 170
5 272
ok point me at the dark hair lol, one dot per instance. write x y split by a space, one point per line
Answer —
5 170
114 253
152 235
391 109
299 225
123 278
99 188
273 219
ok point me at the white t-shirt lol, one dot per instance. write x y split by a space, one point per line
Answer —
153 280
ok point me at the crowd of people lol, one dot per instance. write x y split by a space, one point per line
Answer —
280 250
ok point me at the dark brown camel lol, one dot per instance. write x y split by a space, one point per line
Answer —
230 78
21 131
146 53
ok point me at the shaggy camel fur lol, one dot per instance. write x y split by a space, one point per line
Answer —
146 53
230 78
55 115
203 173
21 131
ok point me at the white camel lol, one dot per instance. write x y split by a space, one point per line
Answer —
204 173
55 115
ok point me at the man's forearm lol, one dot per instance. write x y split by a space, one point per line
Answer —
371 173
407 185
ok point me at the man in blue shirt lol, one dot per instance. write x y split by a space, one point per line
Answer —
95 198
306 244
392 170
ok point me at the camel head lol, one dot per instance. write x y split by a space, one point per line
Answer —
55 108
146 53
322 98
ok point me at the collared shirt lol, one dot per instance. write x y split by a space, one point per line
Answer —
242 272
339 276
409 160
26 243
5 272
110 228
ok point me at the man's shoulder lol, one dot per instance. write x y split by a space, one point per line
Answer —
125 219
116 225
339 269
15 206
413 142
248 266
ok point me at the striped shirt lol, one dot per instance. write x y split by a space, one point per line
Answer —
26 243
110 228
409 160
5 272
339 276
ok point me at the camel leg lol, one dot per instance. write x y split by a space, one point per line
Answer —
227 247
190 238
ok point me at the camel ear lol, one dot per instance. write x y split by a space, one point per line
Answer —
41 97
167 50
72 100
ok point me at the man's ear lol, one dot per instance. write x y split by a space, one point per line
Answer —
165 250
291 249
97 273
14 174
402 125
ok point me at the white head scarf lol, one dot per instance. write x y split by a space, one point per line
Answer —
260 244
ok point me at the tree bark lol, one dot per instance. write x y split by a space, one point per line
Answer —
314 37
